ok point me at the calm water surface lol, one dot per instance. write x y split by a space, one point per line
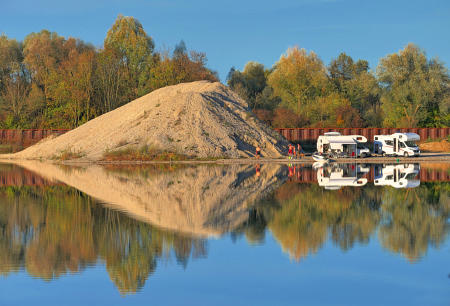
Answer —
221 235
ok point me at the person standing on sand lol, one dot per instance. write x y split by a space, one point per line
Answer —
258 151
290 151
299 150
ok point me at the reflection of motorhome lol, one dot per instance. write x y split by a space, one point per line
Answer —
336 144
335 176
400 144
398 176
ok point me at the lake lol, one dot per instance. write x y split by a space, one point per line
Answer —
269 234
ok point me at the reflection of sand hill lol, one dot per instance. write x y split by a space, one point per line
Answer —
203 200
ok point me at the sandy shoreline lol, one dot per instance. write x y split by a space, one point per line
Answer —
424 158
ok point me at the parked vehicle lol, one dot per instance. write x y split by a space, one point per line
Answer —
397 176
397 144
337 145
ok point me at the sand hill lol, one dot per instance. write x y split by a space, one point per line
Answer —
199 119
435 146
197 200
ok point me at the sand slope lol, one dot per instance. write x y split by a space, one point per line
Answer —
435 146
201 119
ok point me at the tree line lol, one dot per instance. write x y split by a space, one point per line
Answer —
406 90
48 81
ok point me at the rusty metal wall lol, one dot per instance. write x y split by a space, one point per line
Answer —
311 134
27 138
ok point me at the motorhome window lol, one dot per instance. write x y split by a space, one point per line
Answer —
389 142
389 177
410 144
402 145
376 138
361 146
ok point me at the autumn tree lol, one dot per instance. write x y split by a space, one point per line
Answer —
14 80
416 89
75 86
182 66
357 84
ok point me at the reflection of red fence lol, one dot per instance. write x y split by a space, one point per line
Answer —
309 175
20 177
26 138
311 134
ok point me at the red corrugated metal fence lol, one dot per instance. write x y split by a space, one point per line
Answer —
311 134
26 138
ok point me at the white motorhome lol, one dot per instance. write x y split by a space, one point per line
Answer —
397 176
399 144
336 176
339 145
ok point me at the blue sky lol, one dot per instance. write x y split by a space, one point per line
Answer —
234 32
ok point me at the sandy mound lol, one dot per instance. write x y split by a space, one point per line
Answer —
202 200
436 146
200 119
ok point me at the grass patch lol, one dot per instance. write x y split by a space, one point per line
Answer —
144 153
68 154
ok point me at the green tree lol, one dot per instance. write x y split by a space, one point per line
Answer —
133 49
416 89
250 83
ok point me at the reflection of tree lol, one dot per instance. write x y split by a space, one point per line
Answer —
417 218
304 219
57 230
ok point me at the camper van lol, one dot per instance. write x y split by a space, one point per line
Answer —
335 144
397 176
335 176
399 144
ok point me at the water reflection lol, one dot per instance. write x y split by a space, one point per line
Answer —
51 229
57 230
335 176
199 200
397 176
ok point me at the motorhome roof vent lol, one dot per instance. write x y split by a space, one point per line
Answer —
332 134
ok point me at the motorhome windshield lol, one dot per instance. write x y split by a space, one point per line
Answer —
410 176
410 144
361 146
